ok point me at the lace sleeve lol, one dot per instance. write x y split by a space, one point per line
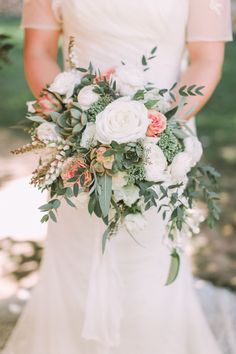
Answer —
209 20
41 14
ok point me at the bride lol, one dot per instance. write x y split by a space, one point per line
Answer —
117 304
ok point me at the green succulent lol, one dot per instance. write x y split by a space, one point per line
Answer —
70 123
98 107
133 153
169 144
136 173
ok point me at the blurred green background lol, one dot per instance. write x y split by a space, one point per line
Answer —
213 252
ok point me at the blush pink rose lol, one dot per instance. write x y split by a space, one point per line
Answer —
157 123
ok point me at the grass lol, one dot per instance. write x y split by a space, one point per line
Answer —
216 128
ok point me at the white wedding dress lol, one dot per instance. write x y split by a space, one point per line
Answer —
86 303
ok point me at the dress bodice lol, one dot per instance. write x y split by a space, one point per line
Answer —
108 31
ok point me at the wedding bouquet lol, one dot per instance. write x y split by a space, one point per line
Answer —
117 143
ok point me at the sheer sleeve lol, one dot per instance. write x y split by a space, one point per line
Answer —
209 20
42 14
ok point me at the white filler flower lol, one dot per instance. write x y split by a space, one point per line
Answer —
180 166
88 136
119 180
129 79
123 121
155 162
87 97
129 194
65 83
194 147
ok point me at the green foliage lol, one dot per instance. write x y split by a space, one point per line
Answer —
104 185
174 267
203 185
98 107
5 48
170 145
136 173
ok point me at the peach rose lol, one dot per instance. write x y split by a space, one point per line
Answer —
71 167
157 124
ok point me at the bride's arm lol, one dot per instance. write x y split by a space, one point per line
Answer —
205 68
40 57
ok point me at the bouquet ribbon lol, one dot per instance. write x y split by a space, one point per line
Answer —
104 308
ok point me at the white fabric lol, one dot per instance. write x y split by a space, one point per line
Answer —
115 304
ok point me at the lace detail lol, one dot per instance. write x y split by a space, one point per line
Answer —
216 5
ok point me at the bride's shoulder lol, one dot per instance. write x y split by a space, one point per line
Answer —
209 20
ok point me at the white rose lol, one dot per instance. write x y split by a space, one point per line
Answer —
129 194
155 163
135 222
119 180
48 131
87 97
180 166
88 136
193 146
123 120
129 79
30 106
65 83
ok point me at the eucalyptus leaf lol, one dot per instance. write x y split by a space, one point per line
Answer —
36 119
105 183
174 268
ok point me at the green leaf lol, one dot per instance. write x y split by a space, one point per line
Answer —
105 237
76 189
150 104
139 95
46 207
171 113
36 119
174 268
52 216
45 218
91 204
108 153
153 51
54 116
55 203
144 60
70 203
82 70
105 183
